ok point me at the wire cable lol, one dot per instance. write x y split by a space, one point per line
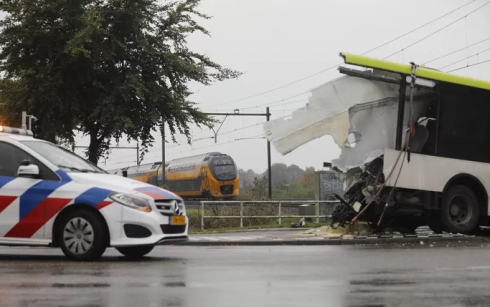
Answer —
466 58
439 30
332 67
468 66
456 51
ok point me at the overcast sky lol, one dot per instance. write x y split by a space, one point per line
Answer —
275 42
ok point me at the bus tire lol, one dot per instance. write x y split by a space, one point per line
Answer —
460 211
135 251
82 235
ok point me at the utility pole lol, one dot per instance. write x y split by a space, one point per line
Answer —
267 114
164 182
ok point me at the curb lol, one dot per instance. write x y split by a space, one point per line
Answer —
252 230
368 241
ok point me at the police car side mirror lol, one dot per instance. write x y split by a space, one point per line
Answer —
28 170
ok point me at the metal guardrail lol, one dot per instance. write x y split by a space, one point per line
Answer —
279 217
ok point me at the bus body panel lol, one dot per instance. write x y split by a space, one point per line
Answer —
431 173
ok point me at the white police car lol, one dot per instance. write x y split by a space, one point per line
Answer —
52 197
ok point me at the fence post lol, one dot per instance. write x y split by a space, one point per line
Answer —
241 215
280 214
317 212
202 215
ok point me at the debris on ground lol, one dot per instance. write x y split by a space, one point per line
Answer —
339 232
300 224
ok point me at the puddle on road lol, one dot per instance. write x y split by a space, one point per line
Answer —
381 282
174 284
58 285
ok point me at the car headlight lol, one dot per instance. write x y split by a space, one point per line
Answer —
133 202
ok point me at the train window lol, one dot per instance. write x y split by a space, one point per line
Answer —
225 172
223 162
182 168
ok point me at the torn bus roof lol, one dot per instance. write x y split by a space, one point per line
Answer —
327 112
422 72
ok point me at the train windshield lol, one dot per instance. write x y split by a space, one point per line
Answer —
225 172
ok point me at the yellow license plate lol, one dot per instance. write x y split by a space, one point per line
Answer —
178 220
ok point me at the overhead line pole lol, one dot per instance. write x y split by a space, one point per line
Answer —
267 115
162 129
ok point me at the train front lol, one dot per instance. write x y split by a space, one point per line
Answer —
224 180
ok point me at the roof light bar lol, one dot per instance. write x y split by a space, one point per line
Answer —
17 131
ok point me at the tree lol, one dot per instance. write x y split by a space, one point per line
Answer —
259 189
247 179
107 68
307 178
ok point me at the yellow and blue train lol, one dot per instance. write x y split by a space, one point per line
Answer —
208 176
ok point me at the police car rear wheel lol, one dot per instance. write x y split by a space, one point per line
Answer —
135 251
82 236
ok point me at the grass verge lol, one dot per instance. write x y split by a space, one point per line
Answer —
225 230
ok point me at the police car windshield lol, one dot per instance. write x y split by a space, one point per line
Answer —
64 159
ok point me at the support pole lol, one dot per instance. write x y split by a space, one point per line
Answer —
268 114
164 182
24 120
241 215
202 215
138 154
401 113
280 214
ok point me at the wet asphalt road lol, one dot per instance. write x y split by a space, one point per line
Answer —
252 276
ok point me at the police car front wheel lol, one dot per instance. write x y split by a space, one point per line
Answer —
82 236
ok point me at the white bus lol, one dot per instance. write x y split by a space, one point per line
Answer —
415 143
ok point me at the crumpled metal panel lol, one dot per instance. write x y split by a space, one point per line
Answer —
326 112
339 107
376 122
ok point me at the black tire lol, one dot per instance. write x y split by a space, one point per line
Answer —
460 210
135 251
98 239
435 224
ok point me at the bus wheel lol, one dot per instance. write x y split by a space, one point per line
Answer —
460 210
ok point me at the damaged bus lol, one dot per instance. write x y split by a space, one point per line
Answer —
415 144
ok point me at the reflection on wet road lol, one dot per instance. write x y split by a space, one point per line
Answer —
252 276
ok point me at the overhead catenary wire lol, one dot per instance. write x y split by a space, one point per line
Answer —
456 51
334 66
154 150
466 58
364 54
270 103
439 30
468 66
278 102
208 146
